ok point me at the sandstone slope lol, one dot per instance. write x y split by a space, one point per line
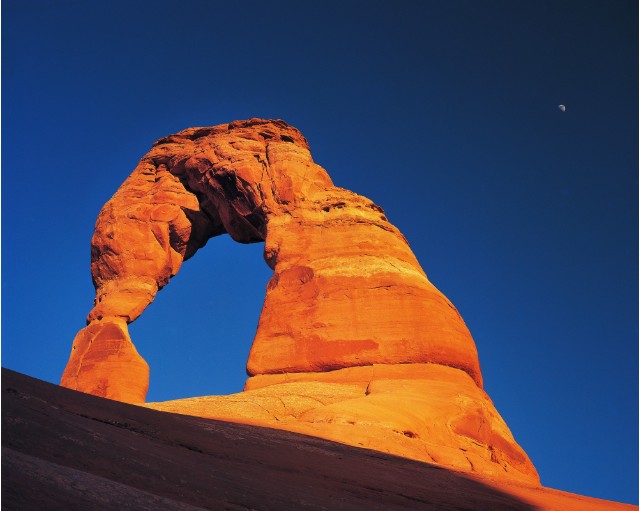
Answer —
68 450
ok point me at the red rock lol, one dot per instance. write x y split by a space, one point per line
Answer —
426 412
67 450
352 335
104 362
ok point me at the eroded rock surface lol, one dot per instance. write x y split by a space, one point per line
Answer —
353 344
426 412
72 451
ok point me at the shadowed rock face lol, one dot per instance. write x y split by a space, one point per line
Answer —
349 314
66 450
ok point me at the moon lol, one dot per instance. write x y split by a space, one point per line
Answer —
562 108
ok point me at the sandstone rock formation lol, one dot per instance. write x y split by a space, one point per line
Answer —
67 450
353 344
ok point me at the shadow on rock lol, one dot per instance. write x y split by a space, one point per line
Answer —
67 450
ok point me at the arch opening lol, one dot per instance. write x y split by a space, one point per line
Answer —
197 333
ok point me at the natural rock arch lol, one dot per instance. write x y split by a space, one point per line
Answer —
346 290
353 344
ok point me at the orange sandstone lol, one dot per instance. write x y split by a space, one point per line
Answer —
354 343
142 459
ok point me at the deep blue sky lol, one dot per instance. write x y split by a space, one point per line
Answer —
444 113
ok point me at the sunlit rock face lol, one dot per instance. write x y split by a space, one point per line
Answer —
354 343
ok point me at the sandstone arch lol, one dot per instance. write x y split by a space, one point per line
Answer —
349 319
346 291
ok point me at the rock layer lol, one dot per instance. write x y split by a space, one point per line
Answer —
347 295
426 412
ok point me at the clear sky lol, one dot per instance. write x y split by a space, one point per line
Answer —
445 113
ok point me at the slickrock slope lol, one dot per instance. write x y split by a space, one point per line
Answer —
425 412
353 344
67 450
